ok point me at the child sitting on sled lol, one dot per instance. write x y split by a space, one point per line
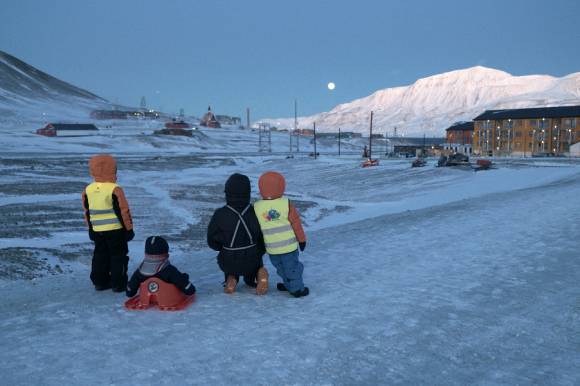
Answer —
156 264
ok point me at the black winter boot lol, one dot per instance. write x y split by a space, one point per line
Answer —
102 287
299 294
281 287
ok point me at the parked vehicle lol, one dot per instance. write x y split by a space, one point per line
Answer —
418 163
178 124
457 159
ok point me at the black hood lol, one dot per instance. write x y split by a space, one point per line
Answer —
238 191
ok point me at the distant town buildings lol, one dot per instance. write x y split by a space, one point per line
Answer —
68 130
412 146
458 138
533 131
228 120
209 119
124 114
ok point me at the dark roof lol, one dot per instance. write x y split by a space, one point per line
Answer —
73 126
416 141
461 126
540 112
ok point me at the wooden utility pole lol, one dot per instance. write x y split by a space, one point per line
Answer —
371 138
315 155
296 126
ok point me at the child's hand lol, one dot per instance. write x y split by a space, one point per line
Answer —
302 246
129 235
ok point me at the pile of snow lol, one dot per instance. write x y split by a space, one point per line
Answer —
432 104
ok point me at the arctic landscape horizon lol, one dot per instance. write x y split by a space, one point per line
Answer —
426 107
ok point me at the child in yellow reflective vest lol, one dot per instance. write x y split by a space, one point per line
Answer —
108 218
283 232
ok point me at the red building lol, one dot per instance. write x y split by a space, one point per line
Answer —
68 130
209 120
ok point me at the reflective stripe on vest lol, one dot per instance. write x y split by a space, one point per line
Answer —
101 212
278 234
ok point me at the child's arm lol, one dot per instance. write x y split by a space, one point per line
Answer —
86 208
296 223
121 201
180 280
212 233
134 283
86 215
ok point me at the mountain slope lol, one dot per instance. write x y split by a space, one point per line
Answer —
26 93
431 104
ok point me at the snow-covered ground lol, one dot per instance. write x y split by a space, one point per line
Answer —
417 276
137 137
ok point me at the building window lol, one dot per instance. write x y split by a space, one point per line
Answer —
570 123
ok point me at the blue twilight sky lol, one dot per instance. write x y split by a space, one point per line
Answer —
263 54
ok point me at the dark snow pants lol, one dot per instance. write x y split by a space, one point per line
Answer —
110 260
290 269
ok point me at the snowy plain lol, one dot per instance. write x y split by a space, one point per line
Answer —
417 276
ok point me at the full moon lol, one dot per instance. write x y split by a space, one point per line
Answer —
331 86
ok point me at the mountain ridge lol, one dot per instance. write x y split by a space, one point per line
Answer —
30 94
433 103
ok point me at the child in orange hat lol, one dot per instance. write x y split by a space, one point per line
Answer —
283 232
108 218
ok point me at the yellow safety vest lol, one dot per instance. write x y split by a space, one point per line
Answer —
279 236
101 211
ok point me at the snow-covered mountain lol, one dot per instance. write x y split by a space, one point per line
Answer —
27 93
432 104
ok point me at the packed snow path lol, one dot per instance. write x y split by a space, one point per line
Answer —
476 291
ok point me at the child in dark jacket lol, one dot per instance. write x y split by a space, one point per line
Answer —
108 218
156 264
283 232
234 231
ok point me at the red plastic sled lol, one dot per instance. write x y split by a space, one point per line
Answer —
156 292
